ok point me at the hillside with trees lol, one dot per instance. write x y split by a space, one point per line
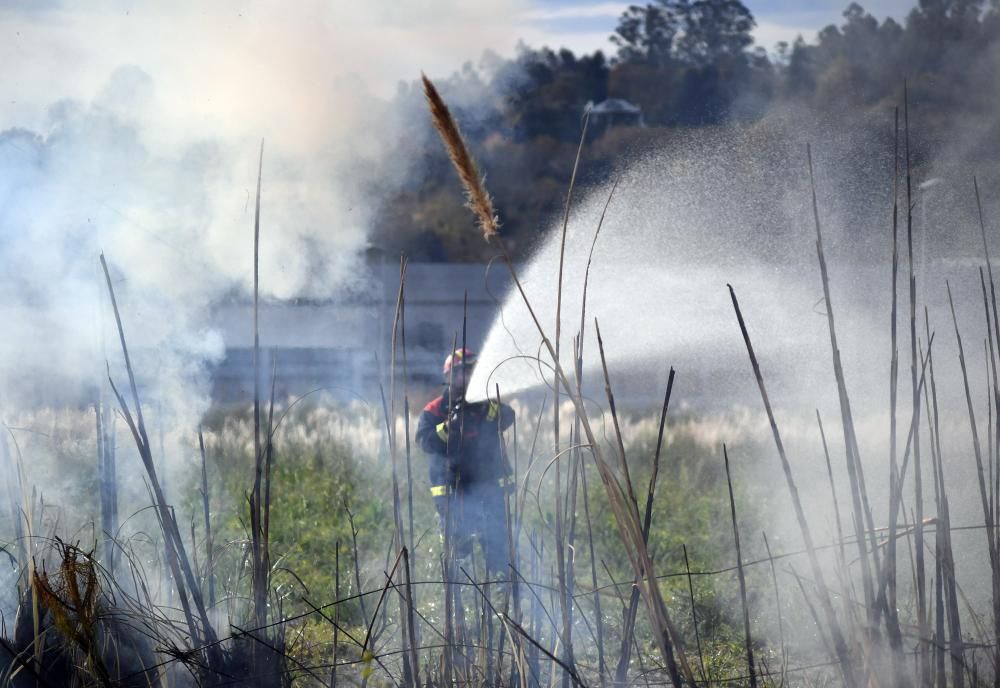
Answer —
688 64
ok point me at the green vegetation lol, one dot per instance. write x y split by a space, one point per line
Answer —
330 459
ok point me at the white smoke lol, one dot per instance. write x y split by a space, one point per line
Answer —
133 129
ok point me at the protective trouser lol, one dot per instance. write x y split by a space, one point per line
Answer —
475 512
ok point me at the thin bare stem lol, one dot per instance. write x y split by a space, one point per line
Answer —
840 646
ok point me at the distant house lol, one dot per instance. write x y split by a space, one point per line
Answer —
615 112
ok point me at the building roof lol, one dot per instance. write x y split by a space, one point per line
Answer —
362 319
615 106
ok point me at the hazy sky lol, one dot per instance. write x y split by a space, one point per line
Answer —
206 52
586 24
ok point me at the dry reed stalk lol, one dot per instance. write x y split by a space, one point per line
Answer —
520 502
111 464
538 555
488 610
991 394
177 559
939 663
410 622
477 198
586 282
625 506
485 631
108 487
940 672
996 322
628 635
512 560
841 651
862 512
519 662
944 518
629 624
892 616
336 615
576 459
977 451
406 434
410 670
356 558
536 605
812 612
206 497
777 604
447 564
920 581
648 515
14 487
994 441
694 615
616 588
259 568
459 604
894 508
625 512
564 604
566 632
622 458
833 491
365 645
598 615
989 404
22 506
269 466
465 369
512 602
263 653
752 671
554 592
565 667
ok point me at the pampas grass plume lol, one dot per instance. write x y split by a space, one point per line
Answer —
477 198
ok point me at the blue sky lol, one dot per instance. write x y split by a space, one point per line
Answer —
584 25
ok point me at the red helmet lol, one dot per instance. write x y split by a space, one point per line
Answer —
462 356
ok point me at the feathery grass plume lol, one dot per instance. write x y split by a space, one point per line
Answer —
478 199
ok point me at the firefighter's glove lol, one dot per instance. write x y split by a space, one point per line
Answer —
455 416
467 411
449 430
492 409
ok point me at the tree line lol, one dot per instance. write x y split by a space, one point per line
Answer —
688 64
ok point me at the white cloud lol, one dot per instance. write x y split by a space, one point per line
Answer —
611 10
580 42
767 34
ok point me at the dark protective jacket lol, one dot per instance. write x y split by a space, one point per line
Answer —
464 448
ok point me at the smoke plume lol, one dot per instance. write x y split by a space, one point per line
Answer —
133 130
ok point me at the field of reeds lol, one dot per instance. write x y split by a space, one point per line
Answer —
299 547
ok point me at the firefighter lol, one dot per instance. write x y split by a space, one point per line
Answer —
468 471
